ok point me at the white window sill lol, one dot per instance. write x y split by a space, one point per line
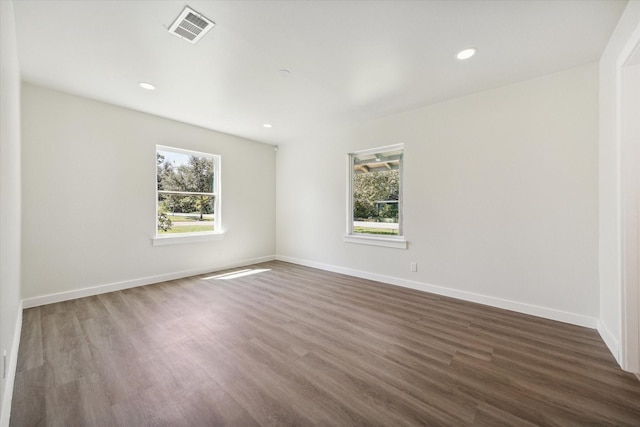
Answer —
177 239
388 242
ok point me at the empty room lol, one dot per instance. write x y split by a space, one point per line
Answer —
314 212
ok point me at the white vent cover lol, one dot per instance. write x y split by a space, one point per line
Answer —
190 25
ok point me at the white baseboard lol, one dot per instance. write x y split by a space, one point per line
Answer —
111 287
534 310
11 372
610 340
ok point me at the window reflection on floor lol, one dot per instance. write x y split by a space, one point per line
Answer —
236 274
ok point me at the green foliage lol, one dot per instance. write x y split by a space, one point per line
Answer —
385 231
389 210
195 176
372 187
164 222
188 229
163 168
186 218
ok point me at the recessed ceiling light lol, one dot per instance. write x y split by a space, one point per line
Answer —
147 86
284 73
466 54
267 125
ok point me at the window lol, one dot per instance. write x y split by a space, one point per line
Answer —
375 197
187 195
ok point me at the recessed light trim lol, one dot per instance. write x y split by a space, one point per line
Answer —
147 86
267 125
466 53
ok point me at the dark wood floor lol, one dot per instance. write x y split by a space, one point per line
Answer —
298 346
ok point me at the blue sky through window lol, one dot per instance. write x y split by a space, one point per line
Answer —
176 159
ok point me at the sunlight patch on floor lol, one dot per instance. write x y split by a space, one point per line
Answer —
237 274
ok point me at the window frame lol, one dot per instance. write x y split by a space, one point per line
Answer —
399 241
198 236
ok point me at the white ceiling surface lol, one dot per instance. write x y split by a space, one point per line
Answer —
350 60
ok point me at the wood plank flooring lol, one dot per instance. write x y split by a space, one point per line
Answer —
296 346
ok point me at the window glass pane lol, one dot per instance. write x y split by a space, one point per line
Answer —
376 193
185 213
183 172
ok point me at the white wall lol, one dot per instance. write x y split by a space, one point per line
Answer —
10 310
625 36
89 196
501 201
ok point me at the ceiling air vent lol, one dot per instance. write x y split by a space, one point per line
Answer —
190 25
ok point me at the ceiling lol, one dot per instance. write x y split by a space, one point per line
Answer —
350 61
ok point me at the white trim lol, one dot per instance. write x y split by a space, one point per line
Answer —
609 339
628 175
11 371
520 307
188 193
349 212
174 239
388 242
630 236
111 287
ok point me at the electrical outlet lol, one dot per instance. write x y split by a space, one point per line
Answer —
414 267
